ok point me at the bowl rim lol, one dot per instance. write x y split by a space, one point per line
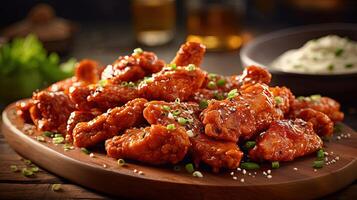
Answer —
290 31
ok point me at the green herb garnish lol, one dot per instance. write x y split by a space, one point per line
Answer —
275 165
171 127
250 144
249 165
233 93
189 168
203 104
338 52
318 164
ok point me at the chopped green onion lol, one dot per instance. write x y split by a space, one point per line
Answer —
171 127
177 100
182 121
84 150
197 174
176 112
131 84
212 76
67 146
56 187
27 162
318 164
233 93
320 154
14 168
191 67
189 168
58 135
330 67
300 98
203 104
338 52
250 144
48 134
221 82
315 97
275 165
40 138
138 51
124 83
211 85
249 165
57 140
35 169
350 65
278 100
27 172
121 162
103 82
172 66
166 108
177 168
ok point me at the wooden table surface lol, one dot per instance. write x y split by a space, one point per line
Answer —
91 44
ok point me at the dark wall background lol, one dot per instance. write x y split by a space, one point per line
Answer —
119 11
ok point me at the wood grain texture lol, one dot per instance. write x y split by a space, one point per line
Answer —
164 182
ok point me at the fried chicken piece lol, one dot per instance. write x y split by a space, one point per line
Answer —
102 97
322 124
286 140
87 71
51 110
75 118
284 99
153 145
242 116
190 53
250 76
215 153
23 110
181 114
133 67
109 124
323 104
62 86
170 84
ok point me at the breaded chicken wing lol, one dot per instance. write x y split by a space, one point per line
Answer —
109 124
250 76
75 118
241 116
190 53
179 113
102 97
133 67
153 145
172 83
51 110
323 104
322 124
215 153
286 140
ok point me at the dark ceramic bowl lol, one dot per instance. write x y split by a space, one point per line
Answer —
263 50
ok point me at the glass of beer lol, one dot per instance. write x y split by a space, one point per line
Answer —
154 21
215 23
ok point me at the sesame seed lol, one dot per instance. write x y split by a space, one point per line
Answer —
295 168
141 173
338 137
269 176
337 158
264 173
244 171
91 155
104 165
234 178
239 169
326 159
315 170
269 171
249 174
232 173
326 154
242 180
331 152
135 171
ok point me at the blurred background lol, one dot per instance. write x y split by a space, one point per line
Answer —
62 32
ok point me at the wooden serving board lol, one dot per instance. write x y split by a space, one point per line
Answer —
293 180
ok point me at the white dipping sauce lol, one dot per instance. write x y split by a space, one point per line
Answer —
327 55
